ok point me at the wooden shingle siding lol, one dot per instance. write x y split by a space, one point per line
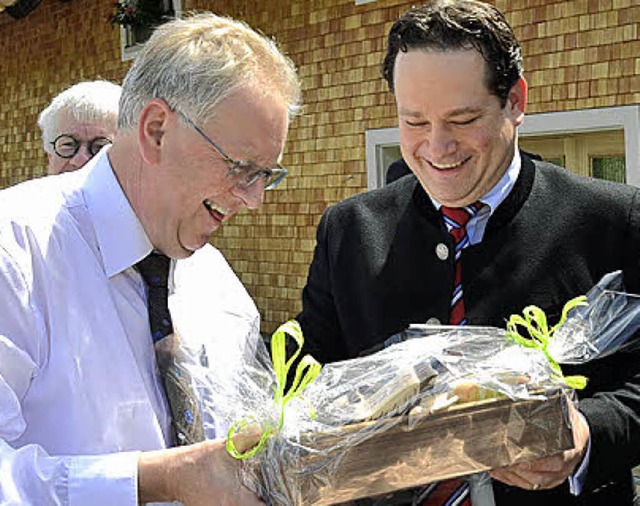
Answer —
577 54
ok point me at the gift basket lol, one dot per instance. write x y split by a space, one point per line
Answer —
439 402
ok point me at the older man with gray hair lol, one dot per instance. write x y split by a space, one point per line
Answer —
88 275
78 123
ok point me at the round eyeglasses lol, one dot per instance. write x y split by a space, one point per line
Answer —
244 174
66 146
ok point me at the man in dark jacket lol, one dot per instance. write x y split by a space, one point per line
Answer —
538 235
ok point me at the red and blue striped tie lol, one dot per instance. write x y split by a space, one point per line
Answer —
453 492
456 219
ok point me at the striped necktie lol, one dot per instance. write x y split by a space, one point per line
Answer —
453 492
170 356
456 219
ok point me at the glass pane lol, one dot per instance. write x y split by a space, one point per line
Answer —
611 168
151 13
389 154
577 150
141 33
556 161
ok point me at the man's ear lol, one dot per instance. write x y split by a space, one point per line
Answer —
517 101
152 125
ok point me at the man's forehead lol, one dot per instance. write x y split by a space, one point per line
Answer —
250 124
438 59
452 82
68 123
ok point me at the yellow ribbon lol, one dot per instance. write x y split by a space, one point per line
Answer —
540 335
307 371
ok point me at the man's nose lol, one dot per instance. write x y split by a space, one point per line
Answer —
442 143
82 156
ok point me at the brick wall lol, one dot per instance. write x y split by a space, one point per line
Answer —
578 54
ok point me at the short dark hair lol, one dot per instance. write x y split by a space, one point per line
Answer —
459 24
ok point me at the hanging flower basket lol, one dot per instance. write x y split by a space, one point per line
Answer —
136 13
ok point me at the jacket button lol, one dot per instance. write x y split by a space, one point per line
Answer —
442 251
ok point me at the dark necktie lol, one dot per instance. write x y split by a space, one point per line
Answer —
171 358
456 490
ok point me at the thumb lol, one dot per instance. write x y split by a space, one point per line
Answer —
247 438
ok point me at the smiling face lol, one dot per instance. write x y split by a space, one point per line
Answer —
186 196
454 134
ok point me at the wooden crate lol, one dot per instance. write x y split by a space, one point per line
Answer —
331 468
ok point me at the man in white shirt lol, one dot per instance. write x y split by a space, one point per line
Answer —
204 115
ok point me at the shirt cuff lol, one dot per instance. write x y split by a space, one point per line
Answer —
104 480
576 480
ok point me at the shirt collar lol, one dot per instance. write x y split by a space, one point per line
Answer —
499 192
121 238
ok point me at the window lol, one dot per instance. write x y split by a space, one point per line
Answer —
132 38
599 142
594 142
590 154
611 168
383 147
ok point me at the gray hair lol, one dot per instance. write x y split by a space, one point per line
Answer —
86 102
193 64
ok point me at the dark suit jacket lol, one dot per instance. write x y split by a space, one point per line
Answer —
375 271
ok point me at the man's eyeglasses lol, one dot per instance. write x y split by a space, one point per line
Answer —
66 146
245 174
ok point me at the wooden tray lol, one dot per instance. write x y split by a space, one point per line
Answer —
374 458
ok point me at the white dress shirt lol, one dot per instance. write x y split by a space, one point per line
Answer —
79 389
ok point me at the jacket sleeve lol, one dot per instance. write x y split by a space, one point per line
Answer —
612 403
319 318
612 411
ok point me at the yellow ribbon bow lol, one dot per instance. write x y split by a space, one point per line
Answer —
306 372
540 335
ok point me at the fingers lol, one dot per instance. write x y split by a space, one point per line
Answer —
549 472
252 501
247 438
510 478
553 464
545 473
581 432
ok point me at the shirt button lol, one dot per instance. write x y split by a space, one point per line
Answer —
442 251
433 321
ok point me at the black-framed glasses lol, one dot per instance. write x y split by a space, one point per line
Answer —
66 146
244 174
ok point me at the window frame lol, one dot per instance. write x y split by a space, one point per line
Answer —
129 52
376 140
625 117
